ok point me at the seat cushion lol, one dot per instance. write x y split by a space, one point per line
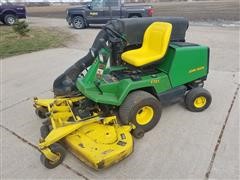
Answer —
154 47
140 57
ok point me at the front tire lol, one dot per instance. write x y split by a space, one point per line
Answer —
10 19
78 22
198 99
142 109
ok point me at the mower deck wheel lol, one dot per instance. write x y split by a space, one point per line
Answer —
138 133
198 99
57 149
41 112
142 109
44 130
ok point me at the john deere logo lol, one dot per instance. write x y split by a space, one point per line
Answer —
196 69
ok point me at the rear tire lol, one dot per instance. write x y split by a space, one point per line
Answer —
10 19
198 99
142 109
78 22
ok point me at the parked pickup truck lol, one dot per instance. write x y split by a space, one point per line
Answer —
101 11
9 13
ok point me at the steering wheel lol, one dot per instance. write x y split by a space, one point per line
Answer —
117 34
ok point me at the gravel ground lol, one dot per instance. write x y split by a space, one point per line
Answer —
194 11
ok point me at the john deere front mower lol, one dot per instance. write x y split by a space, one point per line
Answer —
117 90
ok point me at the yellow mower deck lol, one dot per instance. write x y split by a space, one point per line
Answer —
98 142
100 145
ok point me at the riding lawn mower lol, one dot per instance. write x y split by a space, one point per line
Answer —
116 92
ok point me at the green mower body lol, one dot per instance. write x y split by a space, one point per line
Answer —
183 63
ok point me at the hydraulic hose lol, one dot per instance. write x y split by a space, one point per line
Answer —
65 83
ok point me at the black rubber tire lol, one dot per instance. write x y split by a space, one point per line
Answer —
133 103
10 19
41 112
78 22
138 133
195 93
55 148
44 131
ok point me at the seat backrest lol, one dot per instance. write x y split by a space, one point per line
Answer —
133 29
157 37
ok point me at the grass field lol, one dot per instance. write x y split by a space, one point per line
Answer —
37 39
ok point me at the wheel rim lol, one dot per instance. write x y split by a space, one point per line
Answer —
78 23
11 20
144 115
200 102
